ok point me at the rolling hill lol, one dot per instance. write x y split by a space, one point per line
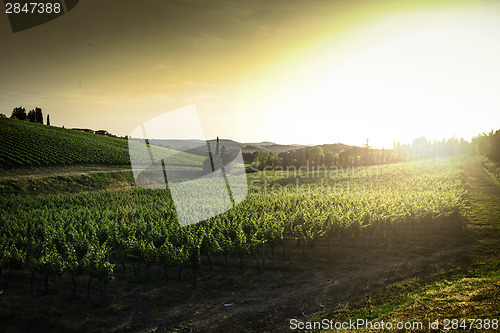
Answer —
31 144
270 147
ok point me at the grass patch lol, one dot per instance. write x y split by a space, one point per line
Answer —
472 292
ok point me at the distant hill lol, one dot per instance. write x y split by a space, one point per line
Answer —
300 154
260 144
334 148
295 148
269 146
245 147
24 143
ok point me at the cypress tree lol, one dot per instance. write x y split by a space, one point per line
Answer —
31 116
39 116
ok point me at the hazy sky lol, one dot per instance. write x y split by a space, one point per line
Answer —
291 71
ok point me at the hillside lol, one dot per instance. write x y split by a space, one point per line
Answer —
31 144
334 148
295 149
270 147
300 153
245 147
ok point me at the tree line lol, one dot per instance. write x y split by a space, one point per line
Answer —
34 116
488 145
338 155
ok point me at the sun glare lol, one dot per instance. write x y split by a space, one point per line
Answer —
433 74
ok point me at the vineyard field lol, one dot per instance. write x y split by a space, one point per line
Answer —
89 233
97 241
25 144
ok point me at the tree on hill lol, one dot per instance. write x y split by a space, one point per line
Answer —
351 157
248 158
261 157
2 115
48 120
274 161
35 116
488 144
329 159
366 154
494 151
315 155
31 117
39 116
295 157
19 113
264 159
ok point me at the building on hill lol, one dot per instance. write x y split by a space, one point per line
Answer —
99 132
88 130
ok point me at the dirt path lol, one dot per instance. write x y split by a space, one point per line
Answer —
484 203
77 170
56 173
306 296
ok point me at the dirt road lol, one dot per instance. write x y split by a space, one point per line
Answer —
60 171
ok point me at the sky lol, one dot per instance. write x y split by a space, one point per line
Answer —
303 72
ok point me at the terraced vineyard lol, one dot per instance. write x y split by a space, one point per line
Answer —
32 144
75 234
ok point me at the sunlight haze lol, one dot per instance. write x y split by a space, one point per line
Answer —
265 71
